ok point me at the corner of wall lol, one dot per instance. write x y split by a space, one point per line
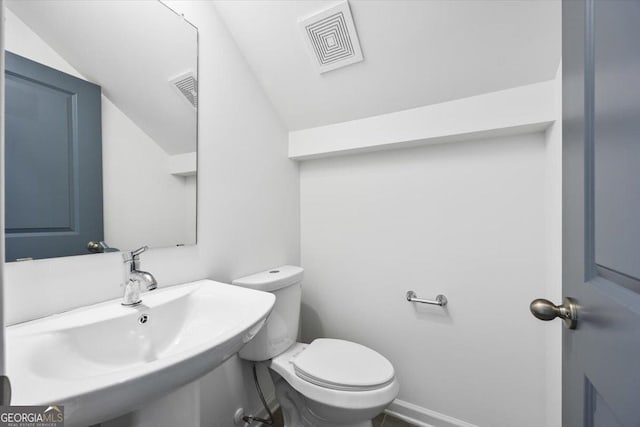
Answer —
250 68
553 229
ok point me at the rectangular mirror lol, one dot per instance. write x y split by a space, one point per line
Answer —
101 127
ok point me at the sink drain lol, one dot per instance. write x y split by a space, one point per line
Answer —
143 319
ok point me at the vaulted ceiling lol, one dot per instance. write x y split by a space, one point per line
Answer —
416 52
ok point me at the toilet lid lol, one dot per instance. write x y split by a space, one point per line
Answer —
343 365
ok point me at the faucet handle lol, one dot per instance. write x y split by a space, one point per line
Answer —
139 251
132 256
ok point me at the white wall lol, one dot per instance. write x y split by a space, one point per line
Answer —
477 221
248 213
140 195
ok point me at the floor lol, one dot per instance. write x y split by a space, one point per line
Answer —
386 420
382 420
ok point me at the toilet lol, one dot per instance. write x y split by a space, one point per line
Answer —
327 383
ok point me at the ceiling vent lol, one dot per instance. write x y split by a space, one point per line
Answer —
187 85
331 37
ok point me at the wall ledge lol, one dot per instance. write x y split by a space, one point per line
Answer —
524 109
183 164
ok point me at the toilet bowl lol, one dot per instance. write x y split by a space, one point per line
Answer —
336 392
327 383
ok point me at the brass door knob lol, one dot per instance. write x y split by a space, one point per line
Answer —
545 310
94 247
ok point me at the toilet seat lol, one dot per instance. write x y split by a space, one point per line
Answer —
342 365
355 398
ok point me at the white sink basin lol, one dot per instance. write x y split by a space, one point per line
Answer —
102 361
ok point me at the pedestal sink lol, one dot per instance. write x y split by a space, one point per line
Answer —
105 360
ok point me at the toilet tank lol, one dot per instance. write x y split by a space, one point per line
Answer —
281 328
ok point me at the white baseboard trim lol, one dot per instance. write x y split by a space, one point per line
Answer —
405 411
423 417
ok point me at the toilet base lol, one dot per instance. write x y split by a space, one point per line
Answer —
297 411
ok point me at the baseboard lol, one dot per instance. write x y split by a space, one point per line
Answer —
423 417
405 411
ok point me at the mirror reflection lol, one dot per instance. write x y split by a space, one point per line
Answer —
101 127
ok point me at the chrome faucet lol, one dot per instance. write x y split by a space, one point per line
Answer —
134 277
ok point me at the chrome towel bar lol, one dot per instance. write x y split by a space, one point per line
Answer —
440 300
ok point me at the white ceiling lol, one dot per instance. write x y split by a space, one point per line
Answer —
416 52
132 49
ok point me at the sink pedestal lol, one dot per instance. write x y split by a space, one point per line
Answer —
180 408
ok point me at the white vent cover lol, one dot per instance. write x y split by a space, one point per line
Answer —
187 85
331 37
